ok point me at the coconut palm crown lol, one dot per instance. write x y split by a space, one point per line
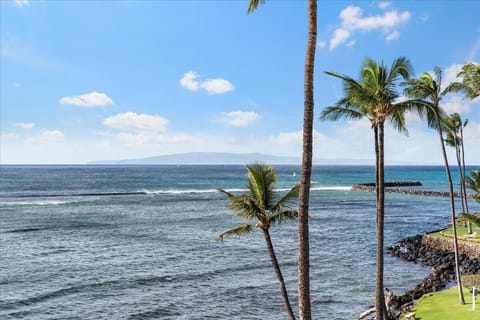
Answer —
261 207
260 203
470 84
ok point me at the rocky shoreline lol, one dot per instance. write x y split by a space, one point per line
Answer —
413 249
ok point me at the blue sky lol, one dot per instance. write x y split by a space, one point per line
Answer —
97 80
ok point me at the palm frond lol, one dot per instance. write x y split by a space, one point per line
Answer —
455 87
341 76
422 88
401 67
453 126
470 75
425 109
470 81
397 119
236 231
229 194
261 180
451 139
245 207
472 218
428 89
473 181
284 216
284 201
335 113
253 5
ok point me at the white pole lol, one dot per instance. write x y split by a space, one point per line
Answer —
474 295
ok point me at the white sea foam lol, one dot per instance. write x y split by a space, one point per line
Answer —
322 188
189 191
35 203
332 188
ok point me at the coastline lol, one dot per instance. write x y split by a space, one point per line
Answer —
418 249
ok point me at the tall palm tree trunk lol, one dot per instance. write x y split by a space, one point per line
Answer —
304 305
380 188
462 186
454 222
463 169
460 173
278 273
462 180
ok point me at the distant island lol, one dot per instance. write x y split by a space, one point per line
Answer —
215 158
218 158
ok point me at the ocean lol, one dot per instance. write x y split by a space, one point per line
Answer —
138 242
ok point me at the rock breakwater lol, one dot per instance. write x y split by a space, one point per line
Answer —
370 186
394 187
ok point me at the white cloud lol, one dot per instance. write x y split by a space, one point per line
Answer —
384 4
211 85
47 137
412 117
352 20
339 36
472 135
188 81
239 118
287 137
92 99
393 36
294 140
10 136
456 104
350 43
137 122
24 125
217 86
449 74
21 3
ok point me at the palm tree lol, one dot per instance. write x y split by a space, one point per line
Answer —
429 91
470 85
472 218
261 204
473 183
304 304
454 126
374 97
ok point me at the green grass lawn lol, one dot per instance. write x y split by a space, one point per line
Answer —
462 234
443 305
